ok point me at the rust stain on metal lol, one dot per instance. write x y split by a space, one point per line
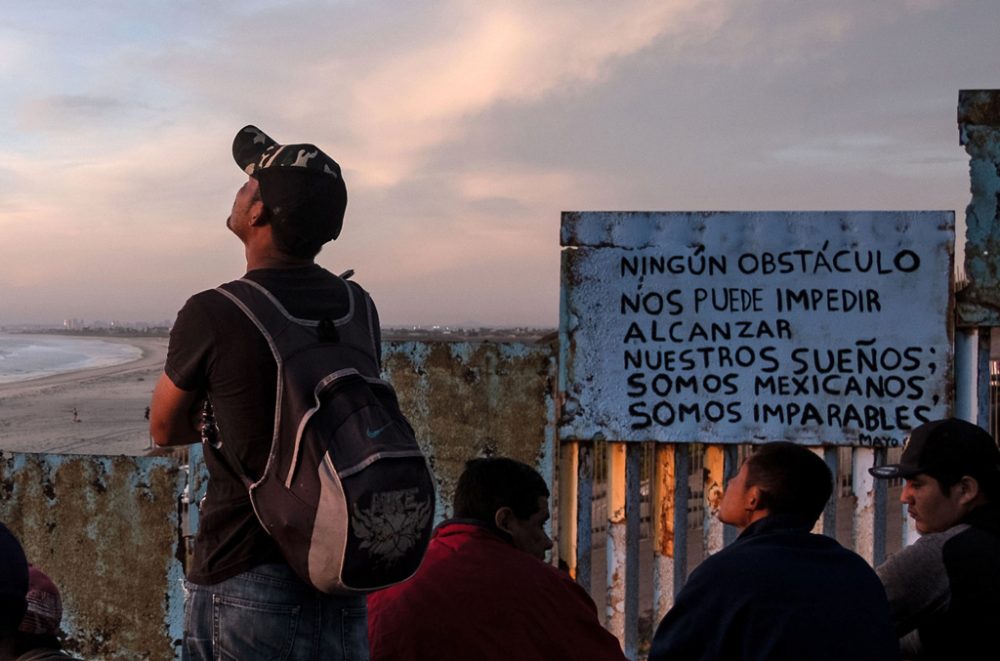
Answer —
474 399
571 271
714 462
106 530
566 506
615 600
569 222
663 499
616 483
979 107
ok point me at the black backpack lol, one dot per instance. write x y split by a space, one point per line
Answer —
346 494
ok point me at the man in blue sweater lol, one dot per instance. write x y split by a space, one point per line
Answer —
779 592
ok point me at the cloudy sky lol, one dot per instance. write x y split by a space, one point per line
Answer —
464 128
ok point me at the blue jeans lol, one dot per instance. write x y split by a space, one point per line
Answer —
269 613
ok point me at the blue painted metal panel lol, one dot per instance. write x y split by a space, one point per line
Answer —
814 327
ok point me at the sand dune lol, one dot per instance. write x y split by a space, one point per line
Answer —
37 416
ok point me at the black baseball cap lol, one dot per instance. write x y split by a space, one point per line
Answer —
295 179
949 447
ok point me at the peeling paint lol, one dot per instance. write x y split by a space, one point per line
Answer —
978 302
863 488
473 399
110 531
713 485
682 327
663 500
105 529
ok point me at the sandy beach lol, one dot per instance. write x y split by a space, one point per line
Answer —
37 415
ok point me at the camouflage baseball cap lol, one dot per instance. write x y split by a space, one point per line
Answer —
297 180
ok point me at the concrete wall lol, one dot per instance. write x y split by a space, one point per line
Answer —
108 530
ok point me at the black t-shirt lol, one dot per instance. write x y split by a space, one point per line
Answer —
216 349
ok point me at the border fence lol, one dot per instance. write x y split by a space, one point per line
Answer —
636 518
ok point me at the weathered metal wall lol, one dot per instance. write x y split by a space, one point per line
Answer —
640 575
728 327
979 131
476 399
978 300
106 530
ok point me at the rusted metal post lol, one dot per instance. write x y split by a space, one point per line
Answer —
623 487
714 486
614 615
664 506
670 525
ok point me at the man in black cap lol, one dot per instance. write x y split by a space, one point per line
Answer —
243 601
943 589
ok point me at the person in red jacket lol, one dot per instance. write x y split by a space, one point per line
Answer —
484 590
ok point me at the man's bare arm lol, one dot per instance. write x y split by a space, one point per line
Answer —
171 421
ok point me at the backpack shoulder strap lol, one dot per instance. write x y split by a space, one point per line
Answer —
366 334
285 333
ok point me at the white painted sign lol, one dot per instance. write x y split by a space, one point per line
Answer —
814 327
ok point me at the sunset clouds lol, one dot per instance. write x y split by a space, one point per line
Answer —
463 128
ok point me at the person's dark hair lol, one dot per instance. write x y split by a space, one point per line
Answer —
290 227
791 478
988 479
486 485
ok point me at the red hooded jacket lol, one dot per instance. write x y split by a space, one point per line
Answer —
477 597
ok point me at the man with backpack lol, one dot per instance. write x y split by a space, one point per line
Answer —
244 600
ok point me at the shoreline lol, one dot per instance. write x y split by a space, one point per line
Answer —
37 415
146 346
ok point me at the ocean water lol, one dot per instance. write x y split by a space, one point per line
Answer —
24 357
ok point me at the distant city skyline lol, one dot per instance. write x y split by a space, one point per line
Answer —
464 129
